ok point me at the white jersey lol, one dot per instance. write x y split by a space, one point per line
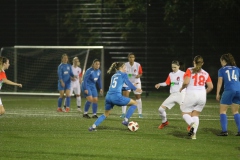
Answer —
75 85
175 80
133 71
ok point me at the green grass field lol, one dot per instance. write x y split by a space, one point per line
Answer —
32 129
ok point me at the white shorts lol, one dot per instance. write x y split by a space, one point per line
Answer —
176 97
194 100
137 86
75 87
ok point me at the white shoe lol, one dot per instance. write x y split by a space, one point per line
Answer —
194 136
79 109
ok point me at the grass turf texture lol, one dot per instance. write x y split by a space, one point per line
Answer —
32 129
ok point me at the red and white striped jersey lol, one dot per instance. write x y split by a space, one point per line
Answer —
197 80
133 71
175 80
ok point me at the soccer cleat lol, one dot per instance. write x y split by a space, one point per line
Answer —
161 126
125 123
64 107
59 110
191 132
223 134
79 110
67 109
122 116
188 128
238 134
86 116
140 116
95 116
194 136
92 129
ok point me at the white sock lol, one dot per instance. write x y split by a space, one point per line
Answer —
139 105
78 101
163 114
126 119
196 121
124 108
188 119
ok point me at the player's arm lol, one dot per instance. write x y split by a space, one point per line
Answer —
186 80
5 80
163 84
130 85
60 76
219 86
139 72
209 84
99 81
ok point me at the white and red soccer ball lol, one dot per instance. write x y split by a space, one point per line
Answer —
133 126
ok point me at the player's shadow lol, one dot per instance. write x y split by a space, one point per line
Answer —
111 128
214 131
179 134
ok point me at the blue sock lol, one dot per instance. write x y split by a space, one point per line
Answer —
67 101
223 121
94 108
100 120
130 111
87 106
59 102
237 120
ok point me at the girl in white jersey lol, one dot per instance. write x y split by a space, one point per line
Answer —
134 71
75 85
175 80
195 79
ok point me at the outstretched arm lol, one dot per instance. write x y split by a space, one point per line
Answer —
11 83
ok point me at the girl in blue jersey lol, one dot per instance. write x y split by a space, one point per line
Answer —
65 75
114 95
91 77
229 75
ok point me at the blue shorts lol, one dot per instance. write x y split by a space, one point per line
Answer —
67 86
230 97
115 99
92 91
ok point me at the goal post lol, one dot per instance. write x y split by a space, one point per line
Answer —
35 67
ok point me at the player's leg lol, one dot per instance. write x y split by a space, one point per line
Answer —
88 102
139 101
68 100
60 98
2 110
125 92
94 102
77 92
236 115
133 106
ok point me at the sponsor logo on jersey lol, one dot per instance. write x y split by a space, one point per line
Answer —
95 79
65 72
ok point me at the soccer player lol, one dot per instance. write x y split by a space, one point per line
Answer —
4 65
90 78
195 79
134 72
75 85
229 75
65 75
114 95
175 80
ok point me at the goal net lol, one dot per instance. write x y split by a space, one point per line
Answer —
35 67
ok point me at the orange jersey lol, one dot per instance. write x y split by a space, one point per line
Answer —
197 80
2 76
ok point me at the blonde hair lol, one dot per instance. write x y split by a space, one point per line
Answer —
115 67
63 56
199 62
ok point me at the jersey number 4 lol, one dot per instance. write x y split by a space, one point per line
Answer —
231 76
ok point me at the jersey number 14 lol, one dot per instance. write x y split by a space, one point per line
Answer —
231 76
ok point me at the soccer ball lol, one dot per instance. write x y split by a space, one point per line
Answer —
133 126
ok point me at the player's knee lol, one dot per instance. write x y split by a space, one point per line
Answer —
161 109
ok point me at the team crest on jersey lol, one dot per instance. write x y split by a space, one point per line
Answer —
135 70
68 68
178 78
98 73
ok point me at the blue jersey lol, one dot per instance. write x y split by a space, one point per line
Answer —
91 77
230 75
65 72
117 81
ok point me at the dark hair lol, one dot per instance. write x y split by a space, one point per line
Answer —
115 66
229 59
131 54
199 62
2 61
176 62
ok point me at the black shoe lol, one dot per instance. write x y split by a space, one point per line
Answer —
86 116
223 134
95 116
64 107
238 134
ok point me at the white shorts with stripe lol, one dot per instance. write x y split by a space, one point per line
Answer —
174 98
